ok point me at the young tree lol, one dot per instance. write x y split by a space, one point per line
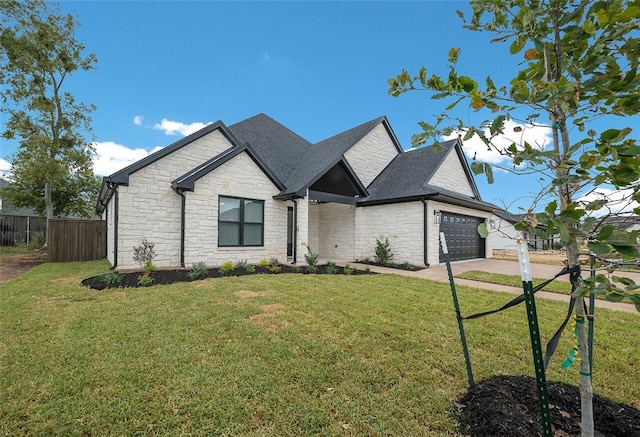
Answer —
578 64
38 53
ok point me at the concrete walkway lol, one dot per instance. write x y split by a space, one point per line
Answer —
541 271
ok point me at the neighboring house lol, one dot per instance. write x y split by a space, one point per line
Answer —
625 223
257 190
505 236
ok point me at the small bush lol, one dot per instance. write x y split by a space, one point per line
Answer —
296 269
383 252
273 262
144 280
367 260
311 258
226 268
249 268
241 264
150 267
367 270
312 269
408 266
332 269
111 278
198 271
144 253
36 241
275 268
263 263
348 270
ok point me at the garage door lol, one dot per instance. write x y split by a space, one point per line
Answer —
463 240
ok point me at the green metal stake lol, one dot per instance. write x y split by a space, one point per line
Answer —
592 310
538 362
465 349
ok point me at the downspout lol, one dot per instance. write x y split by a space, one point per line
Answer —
425 234
113 187
295 231
182 223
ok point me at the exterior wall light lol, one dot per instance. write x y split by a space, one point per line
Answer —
437 215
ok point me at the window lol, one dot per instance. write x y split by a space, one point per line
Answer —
240 222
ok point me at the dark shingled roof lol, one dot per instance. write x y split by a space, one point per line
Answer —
322 156
278 147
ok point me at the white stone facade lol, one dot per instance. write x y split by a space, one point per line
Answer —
451 175
240 177
369 156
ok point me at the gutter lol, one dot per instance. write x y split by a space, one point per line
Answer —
183 205
113 187
295 231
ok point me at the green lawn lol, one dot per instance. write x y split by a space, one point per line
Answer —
556 286
275 355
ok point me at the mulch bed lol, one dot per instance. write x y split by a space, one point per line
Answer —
508 406
163 277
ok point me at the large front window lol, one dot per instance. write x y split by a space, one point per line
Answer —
240 222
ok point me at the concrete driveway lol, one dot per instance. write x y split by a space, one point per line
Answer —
541 271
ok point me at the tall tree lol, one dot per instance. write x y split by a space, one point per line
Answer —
577 64
39 52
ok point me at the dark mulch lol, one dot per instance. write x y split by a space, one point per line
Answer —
508 406
163 277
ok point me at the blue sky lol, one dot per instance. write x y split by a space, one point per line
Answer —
167 68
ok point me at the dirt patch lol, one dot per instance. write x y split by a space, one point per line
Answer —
245 294
269 320
555 257
508 406
13 265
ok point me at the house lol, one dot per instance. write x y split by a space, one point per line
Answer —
505 236
257 190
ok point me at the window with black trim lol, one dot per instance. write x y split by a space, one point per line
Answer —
240 222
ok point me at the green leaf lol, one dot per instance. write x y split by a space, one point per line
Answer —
599 248
516 45
496 126
482 230
630 251
621 238
551 207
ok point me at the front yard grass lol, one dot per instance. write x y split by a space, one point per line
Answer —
277 355
556 286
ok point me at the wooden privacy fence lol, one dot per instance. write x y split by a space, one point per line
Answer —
18 229
76 240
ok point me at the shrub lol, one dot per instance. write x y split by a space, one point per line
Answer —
226 268
150 267
111 278
249 268
366 260
311 258
348 270
36 241
332 269
144 280
198 271
263 262
275 268
367 270
383 252
296 269
408 266
273 261
312 269
144 253
241 264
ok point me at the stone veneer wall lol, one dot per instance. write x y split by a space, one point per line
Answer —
149 208
336 231
451 175
239 177
401 223
369 156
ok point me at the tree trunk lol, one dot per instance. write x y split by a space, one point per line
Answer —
586 389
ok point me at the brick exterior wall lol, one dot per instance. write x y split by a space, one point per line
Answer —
369 156
451 175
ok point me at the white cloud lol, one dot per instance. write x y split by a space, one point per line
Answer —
111 157
137 120
5 168
618 201
174 127
517 133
